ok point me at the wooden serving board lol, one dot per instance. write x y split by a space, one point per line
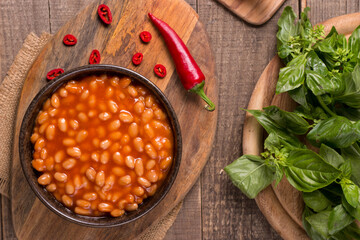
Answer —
117 43
255 12
282 205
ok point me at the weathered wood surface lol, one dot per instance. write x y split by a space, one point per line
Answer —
117 43
214 208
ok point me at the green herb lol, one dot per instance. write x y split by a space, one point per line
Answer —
322 74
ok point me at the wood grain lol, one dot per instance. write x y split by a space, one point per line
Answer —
184 226
242 52
255 12
326 9
13 32
282 205
238 70
15 22
117 44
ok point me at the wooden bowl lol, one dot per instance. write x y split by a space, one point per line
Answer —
26 148
282 205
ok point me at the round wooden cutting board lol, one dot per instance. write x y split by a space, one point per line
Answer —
117 43
282 205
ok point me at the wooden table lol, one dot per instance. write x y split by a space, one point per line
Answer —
214 208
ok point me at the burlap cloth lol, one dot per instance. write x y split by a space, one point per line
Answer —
10 90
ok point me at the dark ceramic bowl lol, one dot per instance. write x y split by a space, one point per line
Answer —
26 148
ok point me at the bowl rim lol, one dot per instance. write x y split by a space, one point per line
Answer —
75 74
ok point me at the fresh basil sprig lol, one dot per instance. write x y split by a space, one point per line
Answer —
322 74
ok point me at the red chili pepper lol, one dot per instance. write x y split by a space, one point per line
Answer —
145 36
189 72
160 70
69 40
94 57
105 13
137 58
54 73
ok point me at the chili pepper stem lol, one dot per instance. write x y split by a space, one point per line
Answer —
199 90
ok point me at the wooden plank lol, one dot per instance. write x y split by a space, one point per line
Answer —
325 9
16 22
17 19
188 222
241 54
303 4
8 232
1 216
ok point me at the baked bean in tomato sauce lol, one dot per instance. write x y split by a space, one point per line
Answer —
102 144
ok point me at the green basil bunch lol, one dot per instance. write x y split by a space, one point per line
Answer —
322 74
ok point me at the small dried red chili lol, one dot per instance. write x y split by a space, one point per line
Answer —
189 72
137 58
94 57
145 36
160 70
69 40
105 13
54 73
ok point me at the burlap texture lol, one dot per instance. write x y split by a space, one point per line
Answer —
10 90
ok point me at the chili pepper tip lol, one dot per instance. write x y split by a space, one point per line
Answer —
199 90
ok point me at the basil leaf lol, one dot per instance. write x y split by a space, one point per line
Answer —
351 99
316 201
273 143
354 42
316 113
355 212
327 45
351 96
250 174
308 228
299 95
346 169
319 222
331 156
350 232
351 192
336 132
287 120
292 76
350 86
356 76
279 174
332 32
333 193
326 99
320 84
286 24
352 154
287 29
272 127
353 114
339 219
307 171
316 64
